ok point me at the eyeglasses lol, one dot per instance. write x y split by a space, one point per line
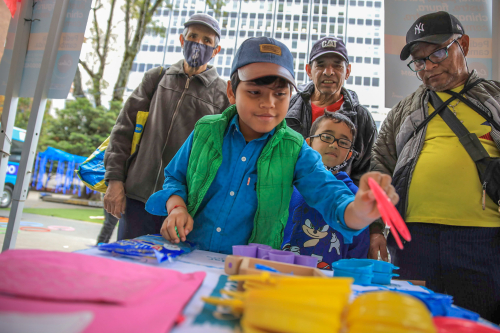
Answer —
328 138
435 57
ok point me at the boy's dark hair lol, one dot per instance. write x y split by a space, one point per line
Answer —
276 82
336 118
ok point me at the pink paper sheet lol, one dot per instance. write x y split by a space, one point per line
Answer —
124 297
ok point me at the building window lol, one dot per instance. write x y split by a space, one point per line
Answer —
227 71
361 3
368 40
378 4
134 67
369 22
351 59
350 39
332 28
142 67
377 23
170 48
294 44
144 48
316 9
228 61
360 21
300 77
159 48
221 59
305 9
357 80
366 81
359 60
359 40
352 21
352 3
369 4
149 66
152 48
375 82
341 29
376 61
324 10
368 60
376 41
349 80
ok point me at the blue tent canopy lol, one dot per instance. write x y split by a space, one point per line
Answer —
67 164
60 155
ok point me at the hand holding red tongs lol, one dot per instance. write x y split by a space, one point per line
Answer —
389 213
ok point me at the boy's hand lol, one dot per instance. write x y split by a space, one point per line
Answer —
180 218
364 203
363 210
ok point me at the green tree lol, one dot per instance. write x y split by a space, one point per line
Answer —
23 116
138 19
80 127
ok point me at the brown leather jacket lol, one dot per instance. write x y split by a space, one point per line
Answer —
174 108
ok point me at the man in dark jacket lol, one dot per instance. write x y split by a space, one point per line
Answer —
328 69
454 224
175 99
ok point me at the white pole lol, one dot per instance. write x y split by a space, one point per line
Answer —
35 122
13 84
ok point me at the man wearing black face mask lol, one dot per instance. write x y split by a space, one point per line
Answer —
175 98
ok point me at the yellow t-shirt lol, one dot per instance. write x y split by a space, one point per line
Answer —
445 187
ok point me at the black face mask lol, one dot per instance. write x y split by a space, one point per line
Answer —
197 54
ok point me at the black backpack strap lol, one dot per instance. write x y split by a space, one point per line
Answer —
469 140
443 106
474 107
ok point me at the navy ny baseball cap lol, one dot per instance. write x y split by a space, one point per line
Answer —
328 45
434 28
206 20
263 56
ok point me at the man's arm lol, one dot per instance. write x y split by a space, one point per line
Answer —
384 158
361 165
120 143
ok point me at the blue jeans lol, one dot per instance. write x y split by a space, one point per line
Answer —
463 262
137 222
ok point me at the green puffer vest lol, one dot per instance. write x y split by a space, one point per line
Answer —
275 168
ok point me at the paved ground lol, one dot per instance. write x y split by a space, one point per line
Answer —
84 235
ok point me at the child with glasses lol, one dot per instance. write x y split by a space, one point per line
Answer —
306 232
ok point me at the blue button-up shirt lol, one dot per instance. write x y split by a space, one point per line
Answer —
226 215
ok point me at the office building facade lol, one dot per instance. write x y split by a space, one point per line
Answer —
296 23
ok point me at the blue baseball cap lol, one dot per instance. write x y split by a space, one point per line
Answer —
263 56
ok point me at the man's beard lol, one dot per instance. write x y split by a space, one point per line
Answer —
444 86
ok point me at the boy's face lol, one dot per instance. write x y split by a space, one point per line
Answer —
331 154
260 108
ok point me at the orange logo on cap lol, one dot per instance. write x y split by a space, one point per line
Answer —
270 48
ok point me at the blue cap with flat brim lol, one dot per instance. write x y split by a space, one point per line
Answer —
263 56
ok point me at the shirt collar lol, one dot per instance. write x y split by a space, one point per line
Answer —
235 126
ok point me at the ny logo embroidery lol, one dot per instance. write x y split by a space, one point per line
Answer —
419 28
329 43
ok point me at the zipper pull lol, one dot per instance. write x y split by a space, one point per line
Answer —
484 197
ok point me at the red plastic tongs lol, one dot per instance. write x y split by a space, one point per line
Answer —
389 213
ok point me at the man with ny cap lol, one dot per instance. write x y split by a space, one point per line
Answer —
328 69
454 224
176 97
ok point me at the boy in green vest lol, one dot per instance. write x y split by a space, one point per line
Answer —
232 180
